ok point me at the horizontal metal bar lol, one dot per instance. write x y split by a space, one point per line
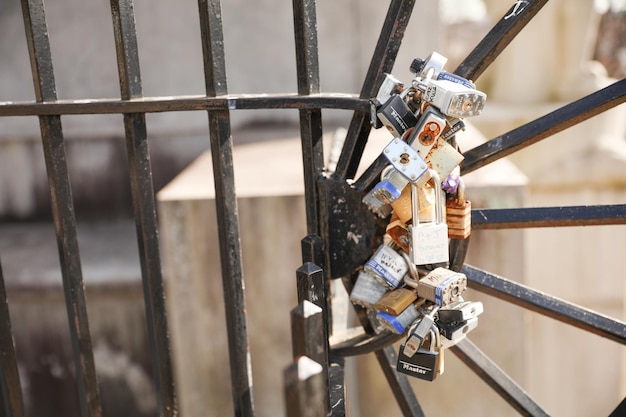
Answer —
185 103
545 304
364 343
516 218
548 125
496 378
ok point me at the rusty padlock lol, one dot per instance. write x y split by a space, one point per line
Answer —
459 214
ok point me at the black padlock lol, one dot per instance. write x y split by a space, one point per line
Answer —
426 363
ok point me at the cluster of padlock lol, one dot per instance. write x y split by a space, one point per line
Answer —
407 281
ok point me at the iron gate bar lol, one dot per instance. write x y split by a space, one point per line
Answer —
545 126
509 26
545 304
307 67
497 379
144 205
62 208
11 403
212 37
515 218
185 103
382 61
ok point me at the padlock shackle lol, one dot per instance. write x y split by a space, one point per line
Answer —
434 177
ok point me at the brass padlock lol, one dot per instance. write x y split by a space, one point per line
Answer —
395 301
398 232
459 214
403 209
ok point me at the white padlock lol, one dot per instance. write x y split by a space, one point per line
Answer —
428 241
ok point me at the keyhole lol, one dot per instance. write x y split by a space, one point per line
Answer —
405 158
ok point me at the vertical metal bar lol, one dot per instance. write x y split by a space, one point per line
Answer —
62 208
212 37
11 403
304 389
382 61
307 65
144 205
307 335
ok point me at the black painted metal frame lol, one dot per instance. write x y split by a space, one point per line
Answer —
329 196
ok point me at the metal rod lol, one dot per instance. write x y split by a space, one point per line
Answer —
307 66
495 377
549 217
545 126
507 28
62 208
304 389
382 61
212 38
144 205
545 304
186 103
11 402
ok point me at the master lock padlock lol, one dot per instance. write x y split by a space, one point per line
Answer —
427 362
428 241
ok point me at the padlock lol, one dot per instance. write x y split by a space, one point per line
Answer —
443 158
396 115
418 332
428 241
387 265
460 311
427 362
454 332
367 290
388 190
406 160
395 301
442 286
459 214
397 231
403 209
398 324
428 129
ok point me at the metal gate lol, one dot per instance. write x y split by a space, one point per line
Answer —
330 199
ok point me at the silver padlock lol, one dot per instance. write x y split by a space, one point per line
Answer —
442 286
367 290
428 129
418 332
387 265
428 241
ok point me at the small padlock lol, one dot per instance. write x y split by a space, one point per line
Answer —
387 265
418 332
396 115
398 324
367 290
397 231
442 286
427 362
395 301
443 158
459 214
428 241
428 129
454 332
403 209
460 311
